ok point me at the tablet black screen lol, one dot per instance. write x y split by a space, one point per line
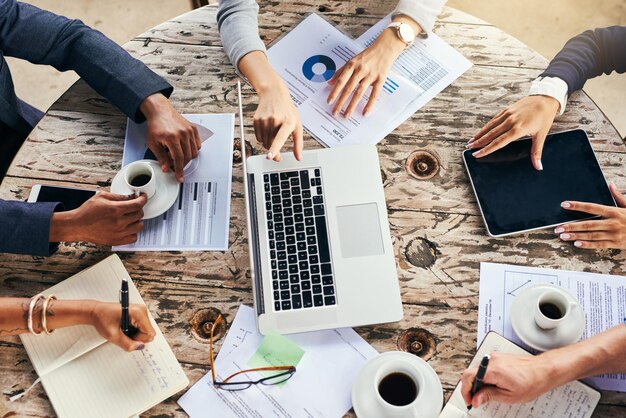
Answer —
514 197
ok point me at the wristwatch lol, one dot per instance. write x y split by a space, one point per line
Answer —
404 31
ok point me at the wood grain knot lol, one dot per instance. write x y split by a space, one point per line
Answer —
422 165
323 9
360 10
418 341
237 151
421 252
202 322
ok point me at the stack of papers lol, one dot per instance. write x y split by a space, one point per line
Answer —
309 55
313 391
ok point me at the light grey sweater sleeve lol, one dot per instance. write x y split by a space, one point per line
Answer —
424 12
239 28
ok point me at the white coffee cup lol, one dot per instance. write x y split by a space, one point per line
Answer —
417 383
552 308
140 170
401 367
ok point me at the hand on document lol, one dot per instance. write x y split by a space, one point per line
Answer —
509 379
106 318
169 132
368 68
276 119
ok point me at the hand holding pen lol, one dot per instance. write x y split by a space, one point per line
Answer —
510 378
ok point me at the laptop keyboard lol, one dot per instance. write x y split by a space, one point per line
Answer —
302 275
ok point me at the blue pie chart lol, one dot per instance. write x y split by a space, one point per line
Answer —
319 68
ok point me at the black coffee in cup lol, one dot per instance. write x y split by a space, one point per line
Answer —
398 389
140 180
551 310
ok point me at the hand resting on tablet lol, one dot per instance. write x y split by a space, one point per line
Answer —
608 232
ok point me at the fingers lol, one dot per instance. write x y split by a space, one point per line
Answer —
139 319
586 236
592 208
338 81
278 142
266 134
495 121
112 196
498 143
178 155
620 199
356 97
467 380
196 136
488 394
345 94
125 240
376 89
490 136
133 205
537 150
596 245
162 156
601 225
185 144
298 141
126 343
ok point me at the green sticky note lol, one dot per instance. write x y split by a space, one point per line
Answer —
275 350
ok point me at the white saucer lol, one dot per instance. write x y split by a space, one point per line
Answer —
166 192
522 316
364 389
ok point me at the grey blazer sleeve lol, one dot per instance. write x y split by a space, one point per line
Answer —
42 37
424 12
25 227
239 28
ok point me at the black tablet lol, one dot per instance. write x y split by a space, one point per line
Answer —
514 197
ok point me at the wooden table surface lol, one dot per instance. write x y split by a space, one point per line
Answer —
437 231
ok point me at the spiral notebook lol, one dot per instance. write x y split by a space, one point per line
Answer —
83 374
573 400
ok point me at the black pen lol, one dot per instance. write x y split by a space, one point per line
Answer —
478 382
124 301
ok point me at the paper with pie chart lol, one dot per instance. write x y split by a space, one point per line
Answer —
309 55
199 219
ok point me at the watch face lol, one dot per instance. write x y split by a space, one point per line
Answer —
406 33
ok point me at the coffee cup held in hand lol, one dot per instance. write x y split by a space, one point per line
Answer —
139 177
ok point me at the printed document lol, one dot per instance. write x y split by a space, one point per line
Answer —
309 55
199 219
602 297
313 391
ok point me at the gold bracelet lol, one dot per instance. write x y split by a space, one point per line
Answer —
44 313
31 308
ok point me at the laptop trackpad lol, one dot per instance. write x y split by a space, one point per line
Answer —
359 230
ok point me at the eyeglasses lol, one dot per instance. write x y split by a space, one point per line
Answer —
285 372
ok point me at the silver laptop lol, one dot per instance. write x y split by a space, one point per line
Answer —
320 247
